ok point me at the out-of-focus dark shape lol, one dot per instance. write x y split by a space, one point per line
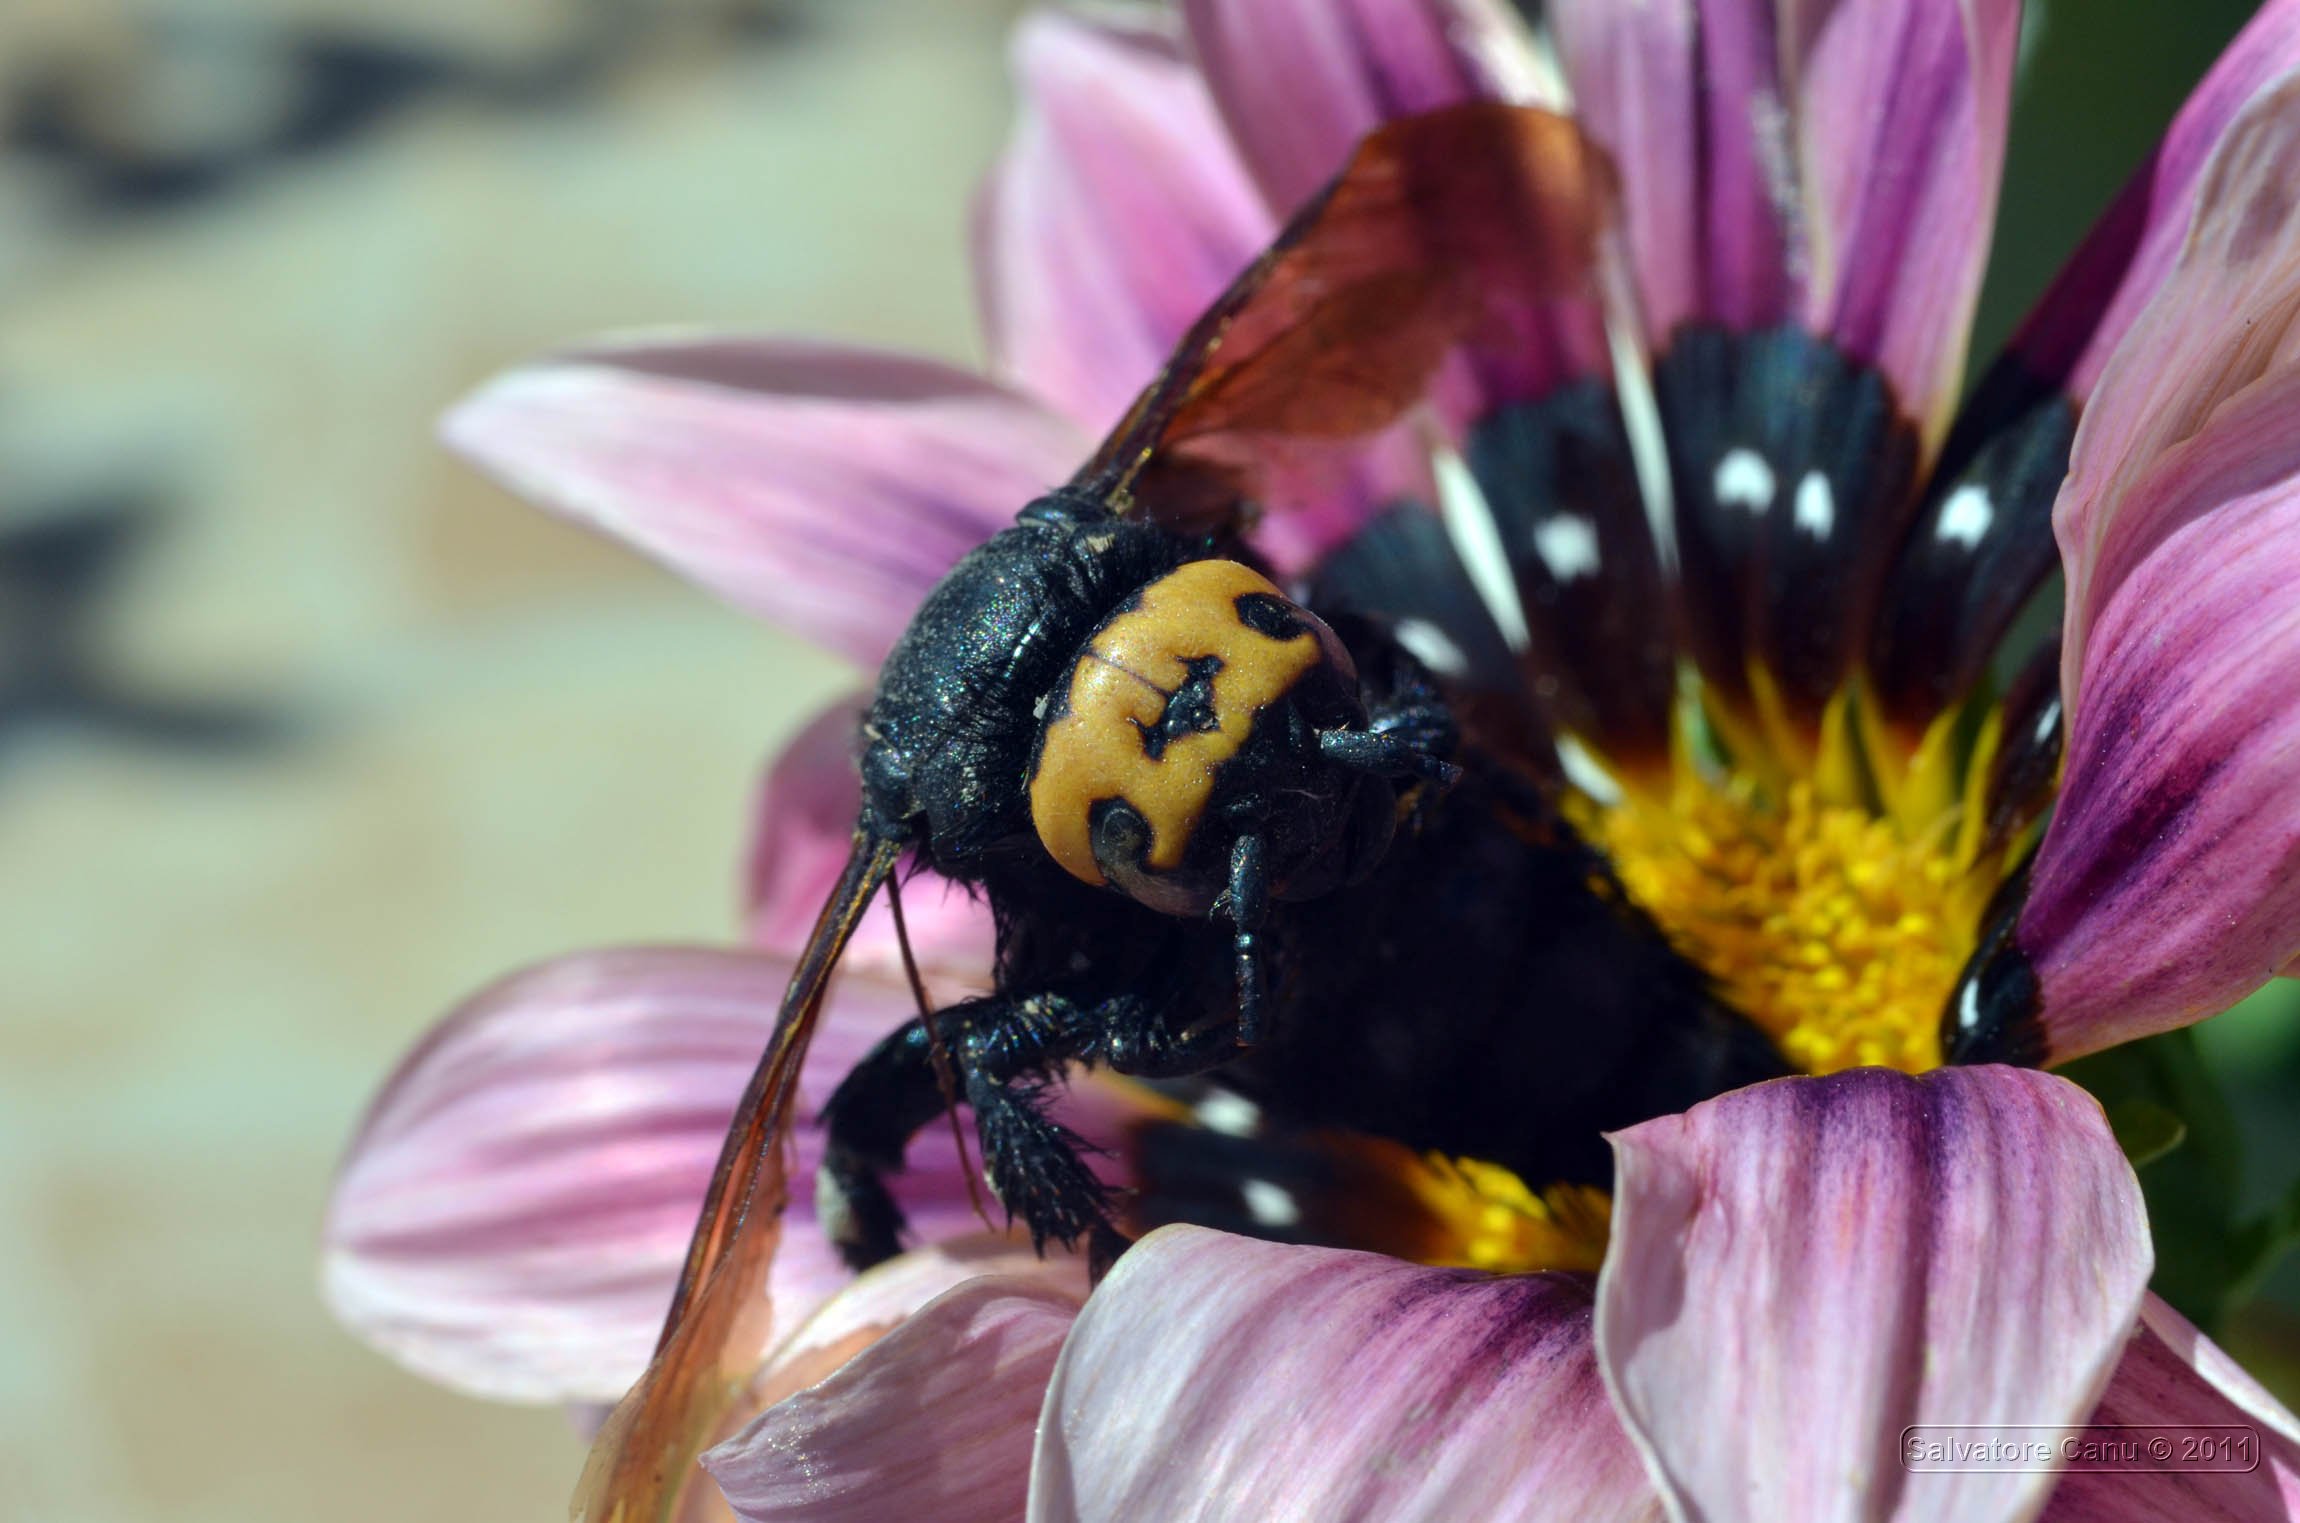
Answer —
57 569
174 108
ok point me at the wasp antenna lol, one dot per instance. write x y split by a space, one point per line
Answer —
938 1052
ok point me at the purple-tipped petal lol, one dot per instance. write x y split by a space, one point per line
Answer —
824 488
2168 884
2176 1381
2165 888
934 1420
2095 300
1116 215
513 1212
1119 212
1300 81
805 829
1214 1377
2162 441
1802 1269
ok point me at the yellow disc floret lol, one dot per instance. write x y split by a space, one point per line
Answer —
1838 934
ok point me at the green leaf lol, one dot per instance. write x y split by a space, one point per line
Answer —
2145 1129
2209 1251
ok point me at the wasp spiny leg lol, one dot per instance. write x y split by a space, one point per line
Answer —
1385 753
1034 1163
1247 901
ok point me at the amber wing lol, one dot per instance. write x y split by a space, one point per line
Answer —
643 1460
1453 232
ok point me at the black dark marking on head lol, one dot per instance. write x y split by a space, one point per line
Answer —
1189 708
1266 615
1121 834
957 717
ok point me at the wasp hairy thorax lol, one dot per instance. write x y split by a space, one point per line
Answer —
1088 704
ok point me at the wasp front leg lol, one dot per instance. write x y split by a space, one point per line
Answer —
1410 729
1007 1051
1247 903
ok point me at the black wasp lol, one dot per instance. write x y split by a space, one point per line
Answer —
1217 830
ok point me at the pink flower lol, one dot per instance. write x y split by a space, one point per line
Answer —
1798 1275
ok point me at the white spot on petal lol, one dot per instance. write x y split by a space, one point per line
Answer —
2048 721
1965 516
1432 647
1567 545
1816 505
1744 480
1270 1205
1231 1115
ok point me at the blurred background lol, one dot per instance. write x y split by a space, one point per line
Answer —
305 732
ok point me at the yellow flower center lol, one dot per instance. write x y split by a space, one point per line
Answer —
1457 1212
1489 1219
1834 931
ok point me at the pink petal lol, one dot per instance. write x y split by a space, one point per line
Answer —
1116 215
1902 109
2097 297
1300 81
2154 452
2164 889
511 1216
2174 1378
805 825
1215 1377
934 1420
2168 884
824 488
1686 94
1802 1269
1751 195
